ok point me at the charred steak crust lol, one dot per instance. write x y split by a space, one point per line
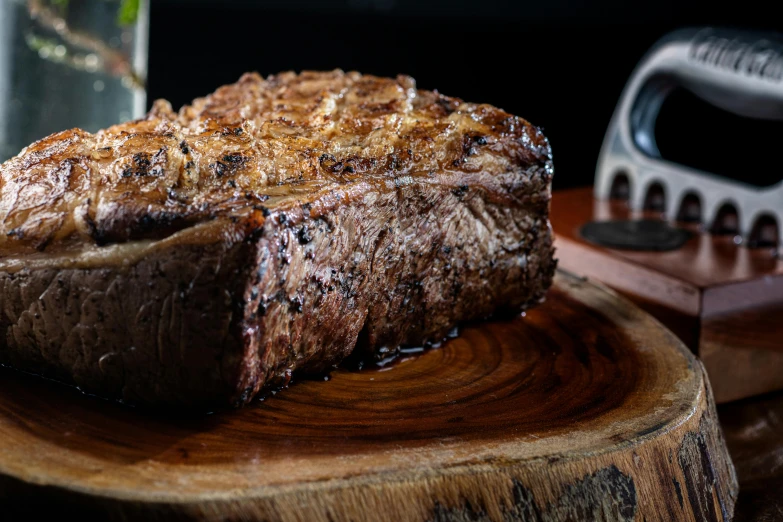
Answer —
195 258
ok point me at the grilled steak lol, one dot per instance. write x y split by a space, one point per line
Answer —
195 258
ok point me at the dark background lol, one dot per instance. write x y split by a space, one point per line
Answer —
559 64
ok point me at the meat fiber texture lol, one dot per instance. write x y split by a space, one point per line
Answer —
194 259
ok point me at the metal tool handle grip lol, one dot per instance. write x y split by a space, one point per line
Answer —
738 71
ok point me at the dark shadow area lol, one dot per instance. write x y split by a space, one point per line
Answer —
727 221
765 233
655 199
621 187
690 209
694 133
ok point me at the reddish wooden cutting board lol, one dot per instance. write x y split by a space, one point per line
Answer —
584 409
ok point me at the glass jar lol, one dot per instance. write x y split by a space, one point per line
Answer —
69 63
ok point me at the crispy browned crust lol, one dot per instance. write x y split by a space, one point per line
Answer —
258 142
194 259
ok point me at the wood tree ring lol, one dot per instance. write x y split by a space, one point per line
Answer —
586 408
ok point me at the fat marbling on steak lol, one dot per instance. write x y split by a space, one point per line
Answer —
195 258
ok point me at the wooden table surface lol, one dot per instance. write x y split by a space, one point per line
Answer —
753 427
708 275
754 434
721 299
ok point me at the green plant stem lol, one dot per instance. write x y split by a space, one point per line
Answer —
113 61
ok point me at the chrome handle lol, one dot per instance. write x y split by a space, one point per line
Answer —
738 71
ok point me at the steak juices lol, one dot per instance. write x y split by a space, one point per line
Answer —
193 259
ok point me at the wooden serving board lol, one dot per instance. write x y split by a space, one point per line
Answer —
722 299
584 409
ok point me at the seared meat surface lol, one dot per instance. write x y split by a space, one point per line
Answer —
194 258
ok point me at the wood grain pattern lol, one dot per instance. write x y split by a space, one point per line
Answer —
752 429
708 274
721 299
584 409
750 338
686 327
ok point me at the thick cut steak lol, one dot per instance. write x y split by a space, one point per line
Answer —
277 225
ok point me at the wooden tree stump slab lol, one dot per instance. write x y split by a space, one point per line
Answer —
584 409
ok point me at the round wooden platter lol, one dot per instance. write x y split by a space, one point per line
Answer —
586 408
